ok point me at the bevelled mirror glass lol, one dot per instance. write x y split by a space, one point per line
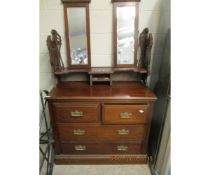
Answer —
125 34
77 35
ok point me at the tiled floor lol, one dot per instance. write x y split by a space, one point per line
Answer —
101 170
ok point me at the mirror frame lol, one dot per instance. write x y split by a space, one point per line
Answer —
75 5
125 4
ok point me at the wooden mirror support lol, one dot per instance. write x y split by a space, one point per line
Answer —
101 74
77 30
125 37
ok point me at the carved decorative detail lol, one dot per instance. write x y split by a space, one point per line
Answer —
145 42
54 45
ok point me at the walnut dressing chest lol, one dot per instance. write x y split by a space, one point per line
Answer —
100 124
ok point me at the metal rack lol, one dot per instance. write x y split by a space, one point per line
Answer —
45 138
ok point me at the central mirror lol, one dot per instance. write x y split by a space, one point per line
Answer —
77 35
125 34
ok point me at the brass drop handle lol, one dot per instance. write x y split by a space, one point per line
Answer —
122 148
123 132
125 115
80 147
79 132
76 113
141 111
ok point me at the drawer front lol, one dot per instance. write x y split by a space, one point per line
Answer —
125 114
101 148
76 112
79 132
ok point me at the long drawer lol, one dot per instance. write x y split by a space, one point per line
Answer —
125 114
101 148
76 112
78 132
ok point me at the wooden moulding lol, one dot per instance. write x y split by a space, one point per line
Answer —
101 159
76 1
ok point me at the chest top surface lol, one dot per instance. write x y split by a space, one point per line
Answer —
119 90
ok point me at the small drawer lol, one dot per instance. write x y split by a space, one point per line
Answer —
101 148
81 132
76 112
125 114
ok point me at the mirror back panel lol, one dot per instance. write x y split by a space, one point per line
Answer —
77 35
125 34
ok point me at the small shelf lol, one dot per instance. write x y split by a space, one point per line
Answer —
100 79
67 71
100 70
105 70
100 74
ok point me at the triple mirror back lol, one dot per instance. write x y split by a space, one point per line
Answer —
125 28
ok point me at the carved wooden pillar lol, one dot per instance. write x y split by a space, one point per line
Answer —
145 42
54 46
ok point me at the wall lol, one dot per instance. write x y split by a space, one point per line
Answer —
154 14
